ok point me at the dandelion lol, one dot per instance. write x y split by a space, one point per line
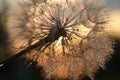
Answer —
65 38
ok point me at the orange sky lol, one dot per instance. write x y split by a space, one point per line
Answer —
114 24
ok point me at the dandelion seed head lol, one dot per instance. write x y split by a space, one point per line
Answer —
70 36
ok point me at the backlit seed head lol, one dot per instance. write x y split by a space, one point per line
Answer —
70 37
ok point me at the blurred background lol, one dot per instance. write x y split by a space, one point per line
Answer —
17 70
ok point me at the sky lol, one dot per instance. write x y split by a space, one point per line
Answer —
114 4
114 27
